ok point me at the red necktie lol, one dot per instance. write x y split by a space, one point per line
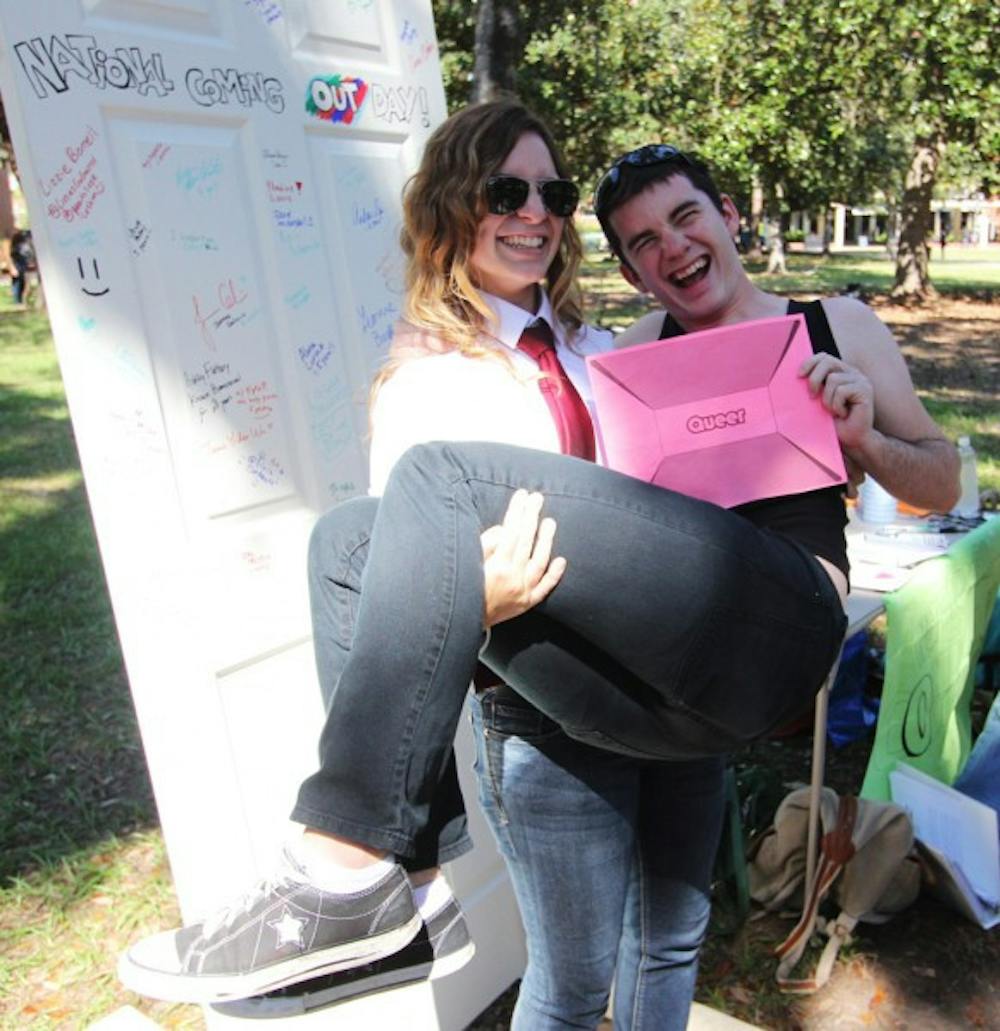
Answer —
572 419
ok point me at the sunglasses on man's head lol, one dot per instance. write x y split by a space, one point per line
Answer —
506 194
642 157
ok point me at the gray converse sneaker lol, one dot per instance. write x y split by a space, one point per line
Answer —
441 947
284 930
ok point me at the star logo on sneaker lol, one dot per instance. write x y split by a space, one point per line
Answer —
289 929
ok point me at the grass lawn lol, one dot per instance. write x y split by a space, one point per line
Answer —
82 864
964 271
82 868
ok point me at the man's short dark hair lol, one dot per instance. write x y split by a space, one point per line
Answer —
637 171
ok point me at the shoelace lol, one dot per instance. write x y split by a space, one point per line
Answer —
227 915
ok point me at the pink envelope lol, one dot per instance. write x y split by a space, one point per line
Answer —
721 415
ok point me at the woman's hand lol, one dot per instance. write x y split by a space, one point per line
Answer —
517 565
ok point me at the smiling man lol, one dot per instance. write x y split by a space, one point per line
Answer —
673 232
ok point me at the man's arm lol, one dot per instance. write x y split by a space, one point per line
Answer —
881 424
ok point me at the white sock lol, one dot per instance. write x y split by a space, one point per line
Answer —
432 896
340 880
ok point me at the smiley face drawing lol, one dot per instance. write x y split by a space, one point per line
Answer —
97 278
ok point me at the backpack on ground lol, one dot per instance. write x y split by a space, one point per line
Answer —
866 846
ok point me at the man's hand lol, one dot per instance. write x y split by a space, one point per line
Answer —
881 424
517 565
846 393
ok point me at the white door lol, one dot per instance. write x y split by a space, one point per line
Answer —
214 189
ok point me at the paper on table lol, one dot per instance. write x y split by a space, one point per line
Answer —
897 550
961 828
884 560
866 576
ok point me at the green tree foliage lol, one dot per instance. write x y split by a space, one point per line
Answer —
593 68
812 101
622 80
455 23
947 99
805 127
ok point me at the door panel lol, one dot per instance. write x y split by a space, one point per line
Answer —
214 189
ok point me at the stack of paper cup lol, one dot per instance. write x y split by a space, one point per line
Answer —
877 504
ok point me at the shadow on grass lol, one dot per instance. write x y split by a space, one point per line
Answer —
72 771
969 371
31 444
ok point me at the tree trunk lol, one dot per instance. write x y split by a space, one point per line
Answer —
912 258
6 147
497 50
756 216
7 160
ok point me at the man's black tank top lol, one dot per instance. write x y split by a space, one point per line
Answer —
815 519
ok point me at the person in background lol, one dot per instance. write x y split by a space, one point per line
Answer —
776 254
22 259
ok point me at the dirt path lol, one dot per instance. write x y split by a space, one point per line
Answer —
952 347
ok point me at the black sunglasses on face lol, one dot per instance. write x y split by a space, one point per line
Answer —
506 194
651 154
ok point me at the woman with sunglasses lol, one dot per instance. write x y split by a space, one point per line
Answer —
609 886
599 766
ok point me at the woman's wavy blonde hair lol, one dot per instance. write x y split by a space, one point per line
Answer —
443 204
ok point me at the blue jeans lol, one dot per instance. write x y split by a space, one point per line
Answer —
337 556
679 630
611 861
18 278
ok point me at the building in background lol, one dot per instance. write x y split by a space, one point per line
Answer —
969 220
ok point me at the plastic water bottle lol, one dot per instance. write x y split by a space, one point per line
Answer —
968 503
877 505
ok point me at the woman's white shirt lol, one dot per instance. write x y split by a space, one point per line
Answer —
451 397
